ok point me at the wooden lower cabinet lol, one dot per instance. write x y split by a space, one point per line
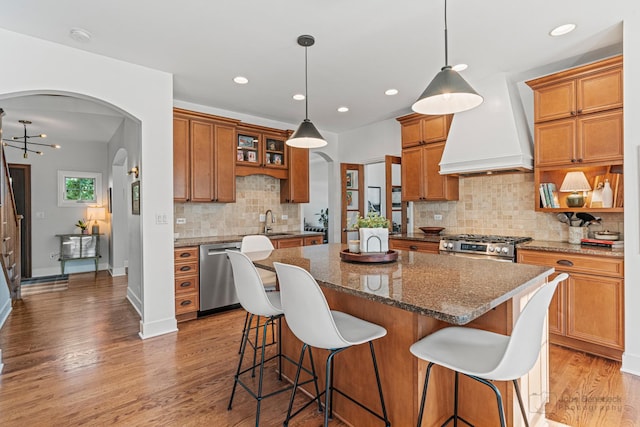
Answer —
587 311
294 242
187 285
413 245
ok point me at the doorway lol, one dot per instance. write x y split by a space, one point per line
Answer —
21 183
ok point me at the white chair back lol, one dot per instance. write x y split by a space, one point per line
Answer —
306 309
256 243
249 288
524 344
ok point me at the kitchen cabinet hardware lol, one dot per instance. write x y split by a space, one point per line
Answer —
564 262
185 303
185 284
185 268
185 255
413 247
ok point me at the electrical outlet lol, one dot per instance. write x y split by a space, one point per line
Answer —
262 218
284 217
437 217
181 221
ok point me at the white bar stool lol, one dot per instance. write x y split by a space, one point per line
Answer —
256 301
256 245
312 321
486 356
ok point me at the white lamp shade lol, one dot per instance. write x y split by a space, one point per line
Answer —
94 213
575 181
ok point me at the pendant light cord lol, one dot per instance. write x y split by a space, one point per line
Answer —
446 43
306 87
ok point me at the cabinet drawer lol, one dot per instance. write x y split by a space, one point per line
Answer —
410 245
187 284
186 303
185 254
288 243
605 266
186 268
314 240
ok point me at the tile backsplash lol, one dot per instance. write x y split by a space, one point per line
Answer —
254 195
501 204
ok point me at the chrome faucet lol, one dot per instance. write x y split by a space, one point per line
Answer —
267 229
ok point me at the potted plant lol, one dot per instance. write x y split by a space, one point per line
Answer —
374 233
82 225
324 217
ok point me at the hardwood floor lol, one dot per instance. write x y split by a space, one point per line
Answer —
74 358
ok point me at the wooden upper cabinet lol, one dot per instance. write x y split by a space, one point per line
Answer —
262 150
224 163
593 138
181 170
413 179
295 189
418 129
423 141
583 90
204 157
421 179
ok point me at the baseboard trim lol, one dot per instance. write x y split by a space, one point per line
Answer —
631 364
118 271
157 328
134 301
4 312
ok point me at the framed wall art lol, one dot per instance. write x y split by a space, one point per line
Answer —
135 198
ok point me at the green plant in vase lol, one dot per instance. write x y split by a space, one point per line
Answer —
82 225
374 233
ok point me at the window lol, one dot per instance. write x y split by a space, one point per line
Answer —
79 188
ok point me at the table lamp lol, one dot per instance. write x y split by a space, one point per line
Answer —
95 213
576 183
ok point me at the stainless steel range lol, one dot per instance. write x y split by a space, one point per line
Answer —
497 248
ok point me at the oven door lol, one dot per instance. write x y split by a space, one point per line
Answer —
478 256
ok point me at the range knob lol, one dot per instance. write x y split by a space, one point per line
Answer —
450 245
505 250
490 248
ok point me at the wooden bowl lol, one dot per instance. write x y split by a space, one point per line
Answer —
432 231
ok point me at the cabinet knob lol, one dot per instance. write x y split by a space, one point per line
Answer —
579 111
573 160
573 113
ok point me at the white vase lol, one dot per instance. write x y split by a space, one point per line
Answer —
374 240
607 195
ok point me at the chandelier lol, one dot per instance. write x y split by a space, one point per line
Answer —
23 142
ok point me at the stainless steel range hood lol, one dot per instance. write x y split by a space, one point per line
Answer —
492 137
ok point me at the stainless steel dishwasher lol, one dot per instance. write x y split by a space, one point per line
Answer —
217 291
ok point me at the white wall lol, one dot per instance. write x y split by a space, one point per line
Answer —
631 48
318 190
144 94
73 156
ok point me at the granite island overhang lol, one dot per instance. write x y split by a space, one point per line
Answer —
411 298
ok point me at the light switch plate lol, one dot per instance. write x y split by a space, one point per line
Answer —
437 217
181 221
285 217
262 218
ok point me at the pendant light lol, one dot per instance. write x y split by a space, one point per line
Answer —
448 92
307 136
25 142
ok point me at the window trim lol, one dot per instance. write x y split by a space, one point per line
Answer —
63 202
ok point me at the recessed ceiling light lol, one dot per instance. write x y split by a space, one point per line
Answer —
562 30
391 92
343 109
298 97
241 80
459 67
80 35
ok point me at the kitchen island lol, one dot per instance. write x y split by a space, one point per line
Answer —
411 298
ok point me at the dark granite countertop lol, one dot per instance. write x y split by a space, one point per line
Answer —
208 240
456 290
564 247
